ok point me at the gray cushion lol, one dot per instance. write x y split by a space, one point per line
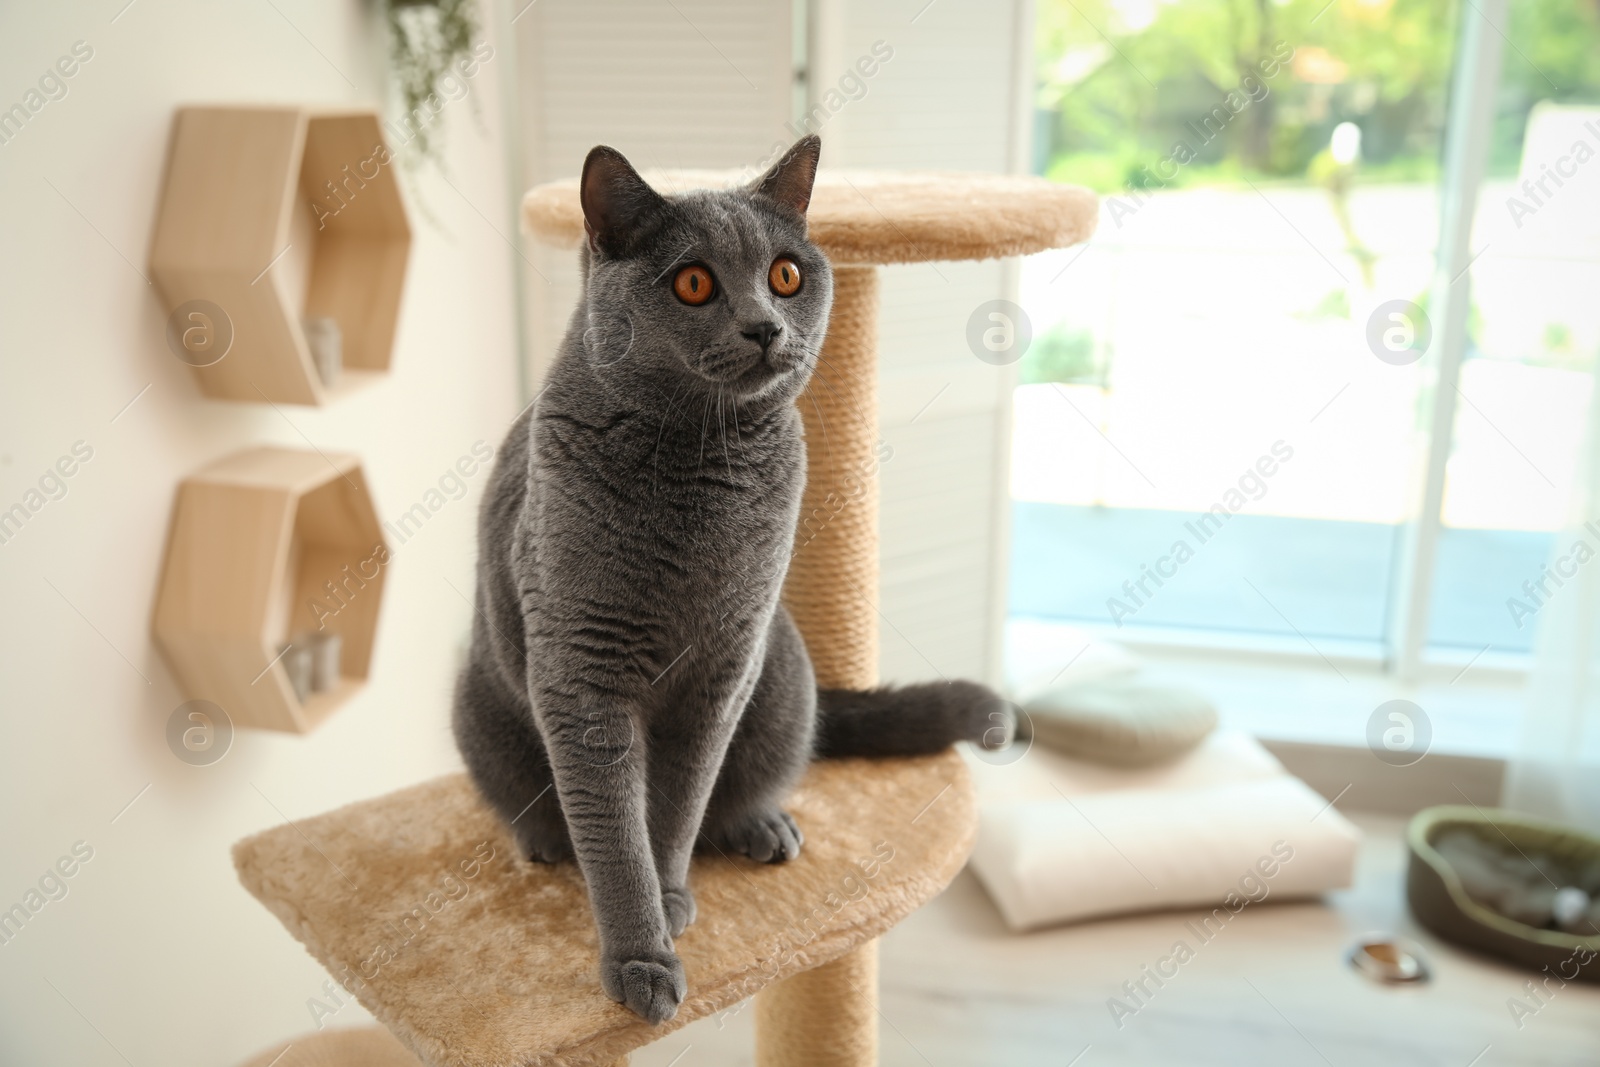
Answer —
1122 722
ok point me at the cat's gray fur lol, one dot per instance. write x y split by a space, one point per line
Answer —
629 648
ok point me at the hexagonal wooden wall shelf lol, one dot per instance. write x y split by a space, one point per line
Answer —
274 214
267 544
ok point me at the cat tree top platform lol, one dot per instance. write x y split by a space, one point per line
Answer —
867 218
417 903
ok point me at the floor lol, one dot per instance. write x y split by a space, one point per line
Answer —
1270 988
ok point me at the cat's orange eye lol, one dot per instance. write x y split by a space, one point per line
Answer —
784 277
694 285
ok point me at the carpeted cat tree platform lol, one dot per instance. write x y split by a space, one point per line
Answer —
416 902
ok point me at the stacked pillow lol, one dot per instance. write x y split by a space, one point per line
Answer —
1121 796
1121 722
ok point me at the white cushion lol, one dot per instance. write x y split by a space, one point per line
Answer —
1061 841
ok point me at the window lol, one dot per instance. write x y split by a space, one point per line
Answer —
1226 422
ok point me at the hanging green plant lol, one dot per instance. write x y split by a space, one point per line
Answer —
427 38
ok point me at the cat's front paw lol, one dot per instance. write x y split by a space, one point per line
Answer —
651 984
770 836
680 909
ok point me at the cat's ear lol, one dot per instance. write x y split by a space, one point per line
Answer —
618 205
789 181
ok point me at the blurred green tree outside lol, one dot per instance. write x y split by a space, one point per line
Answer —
1125 90
1063 354
1120 82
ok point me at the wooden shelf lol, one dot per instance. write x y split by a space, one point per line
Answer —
256 539
278 213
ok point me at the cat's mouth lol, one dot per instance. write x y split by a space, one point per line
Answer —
750 371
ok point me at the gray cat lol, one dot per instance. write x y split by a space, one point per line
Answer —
629 647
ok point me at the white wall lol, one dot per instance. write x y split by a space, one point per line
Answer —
157 955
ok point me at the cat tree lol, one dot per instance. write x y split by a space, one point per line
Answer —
500 966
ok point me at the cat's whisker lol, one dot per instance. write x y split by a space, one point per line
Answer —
655 458
705 423
856 408
827 447
818 376
724 431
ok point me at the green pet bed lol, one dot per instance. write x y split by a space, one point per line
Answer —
1495 844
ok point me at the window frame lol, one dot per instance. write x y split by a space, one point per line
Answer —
1475 82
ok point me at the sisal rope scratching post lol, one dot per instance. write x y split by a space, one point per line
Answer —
832 588
828 1015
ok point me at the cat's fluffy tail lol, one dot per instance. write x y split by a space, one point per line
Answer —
910 720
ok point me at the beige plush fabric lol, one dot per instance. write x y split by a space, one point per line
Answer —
1121 722
862 218
417 904
367 1046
